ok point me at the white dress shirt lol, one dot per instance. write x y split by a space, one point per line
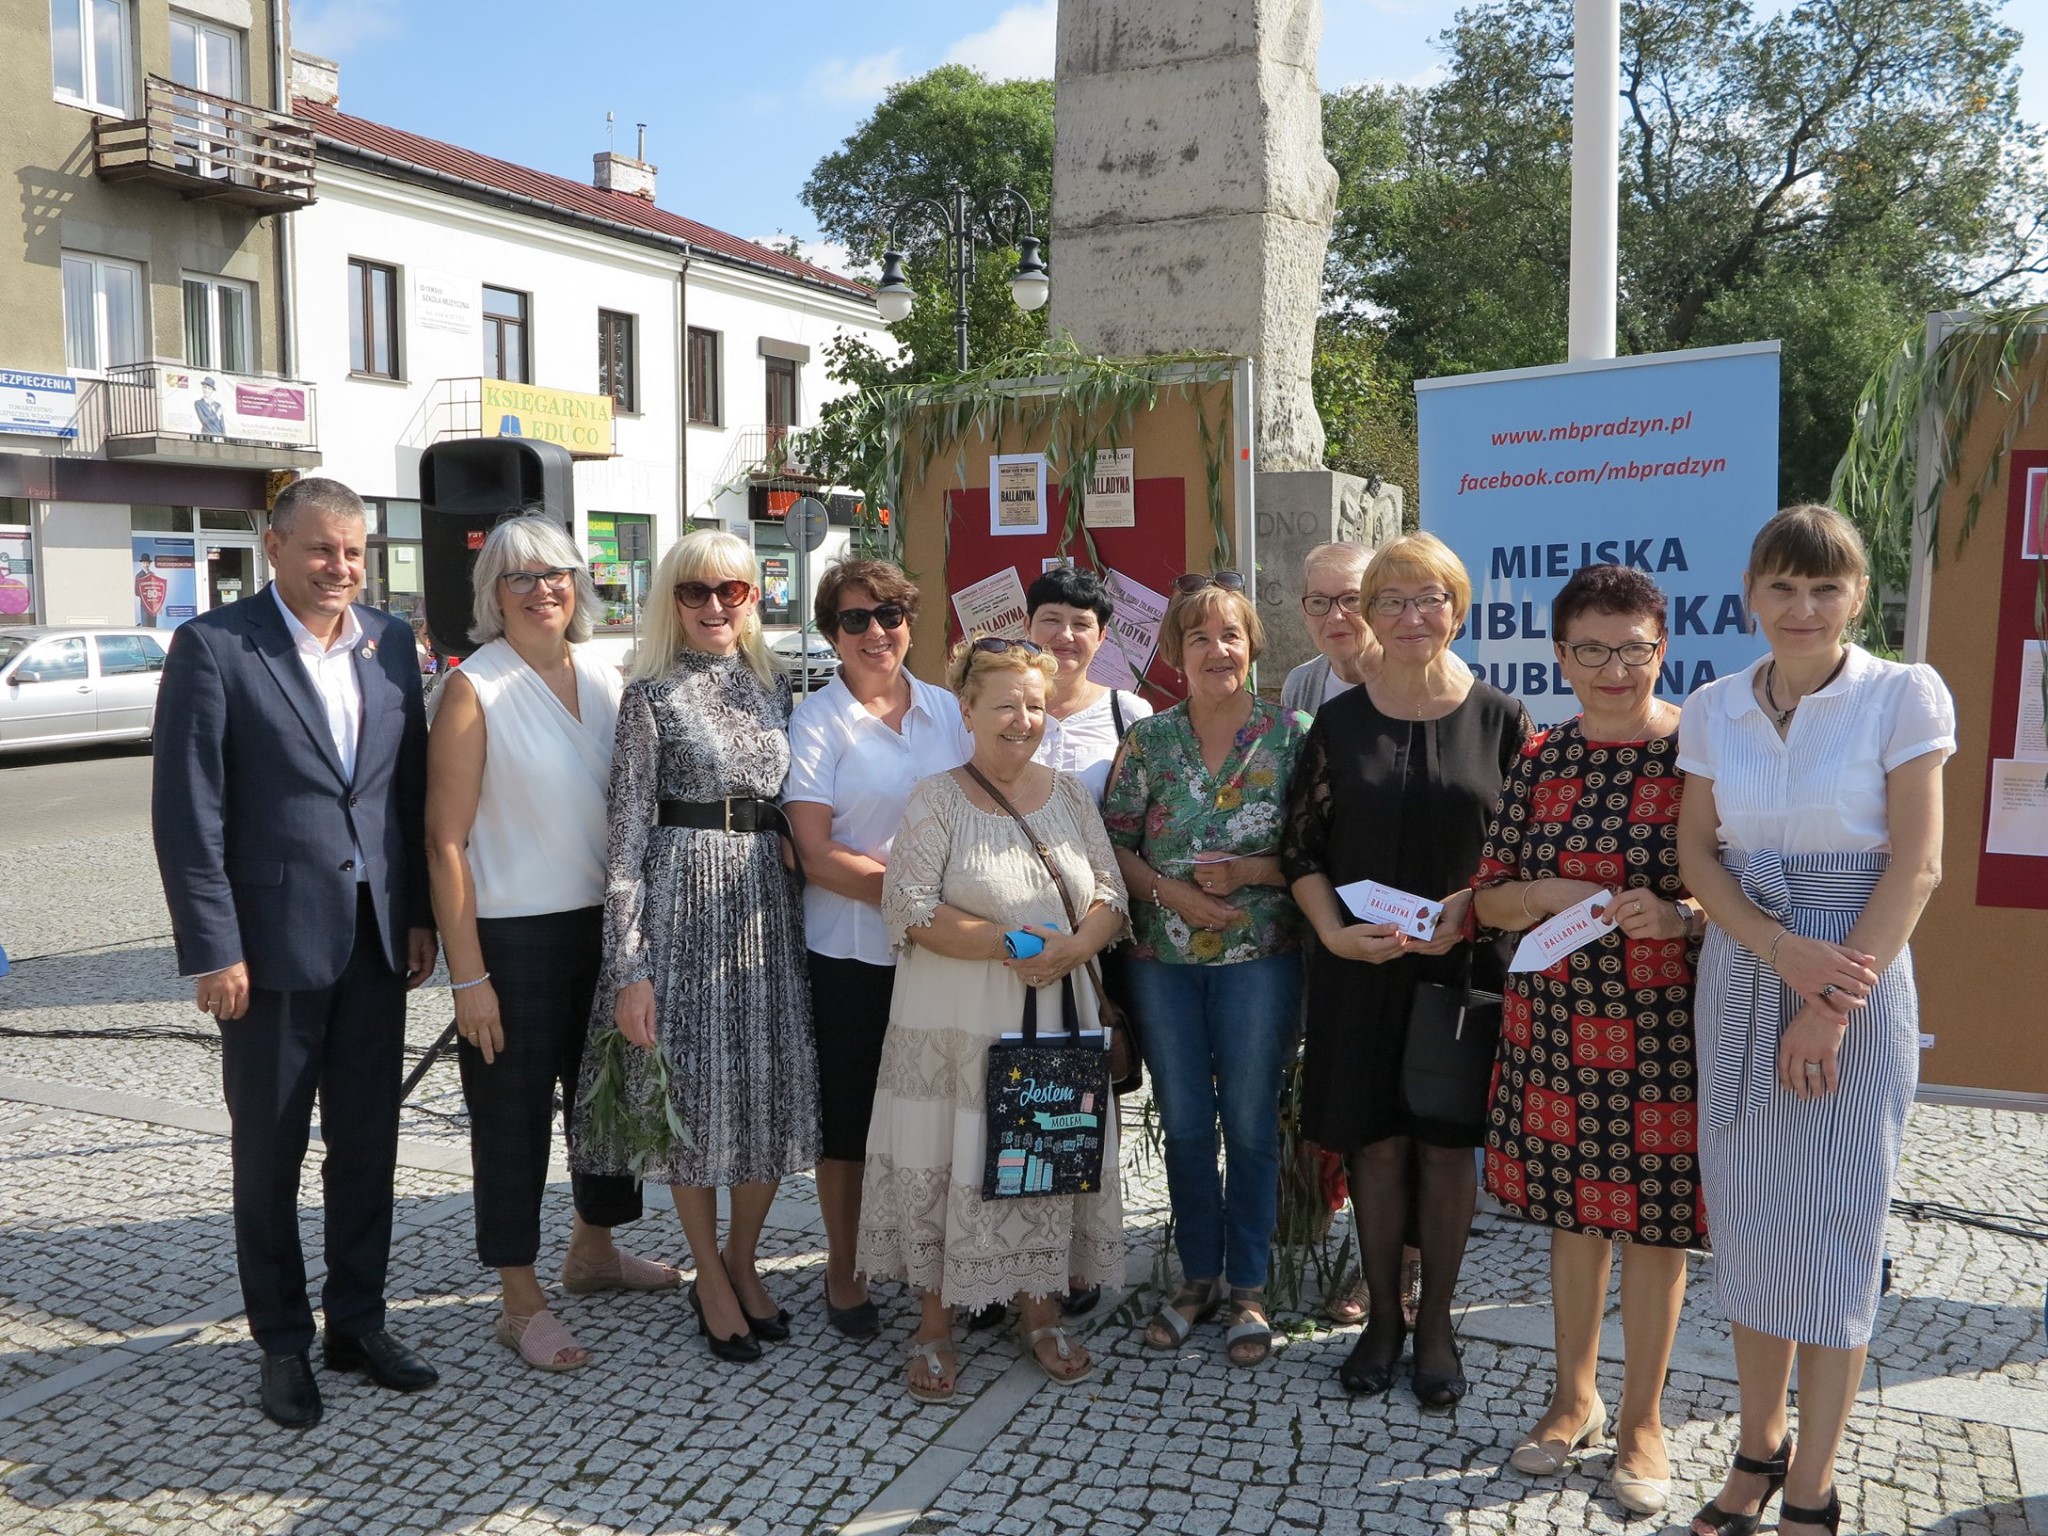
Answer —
333 672
1084 744
843 757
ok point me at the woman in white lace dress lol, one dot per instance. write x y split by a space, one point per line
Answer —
960 875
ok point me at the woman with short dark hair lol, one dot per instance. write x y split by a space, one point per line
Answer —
1593 1130
1085 720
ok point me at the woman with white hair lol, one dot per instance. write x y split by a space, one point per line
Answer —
1346 652
517 765
704 938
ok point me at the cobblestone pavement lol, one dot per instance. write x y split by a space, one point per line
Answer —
127 1382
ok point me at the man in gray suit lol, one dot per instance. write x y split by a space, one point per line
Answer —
289 806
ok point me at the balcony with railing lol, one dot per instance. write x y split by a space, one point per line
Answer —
208 146
768 454
173 412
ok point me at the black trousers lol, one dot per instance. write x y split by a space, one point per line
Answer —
344 1047
544 970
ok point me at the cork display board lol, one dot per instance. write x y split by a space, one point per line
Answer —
1978 949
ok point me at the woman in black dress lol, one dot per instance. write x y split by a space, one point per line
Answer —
1396 783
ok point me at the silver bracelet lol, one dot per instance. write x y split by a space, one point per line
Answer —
464 986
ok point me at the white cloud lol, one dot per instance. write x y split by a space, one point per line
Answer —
1019 46
858 80
335 28
1421 80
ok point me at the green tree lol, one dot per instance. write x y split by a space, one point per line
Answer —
1823 175
949 126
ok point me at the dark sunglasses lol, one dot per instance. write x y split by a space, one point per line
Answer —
995 645
855 621
1195 581
695 594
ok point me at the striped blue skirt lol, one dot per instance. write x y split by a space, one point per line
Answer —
1797 1191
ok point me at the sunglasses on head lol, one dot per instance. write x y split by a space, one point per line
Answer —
1195 581
995 645
855 621
695 594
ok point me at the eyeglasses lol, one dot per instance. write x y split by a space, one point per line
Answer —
1195 581
995 645
1316 606
520 583
695 594
1427 606
855 621
1592 655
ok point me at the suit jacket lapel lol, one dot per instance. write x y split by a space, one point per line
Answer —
371 683
274 643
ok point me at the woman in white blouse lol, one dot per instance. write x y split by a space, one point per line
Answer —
1810 830
517 767
857 748
1084 719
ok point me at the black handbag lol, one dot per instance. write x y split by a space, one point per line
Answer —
1048 1109
1447 1061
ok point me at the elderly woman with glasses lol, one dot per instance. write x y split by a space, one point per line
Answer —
1195 805
857 748
1346 650
517 765
1397 781
961 875
700 1071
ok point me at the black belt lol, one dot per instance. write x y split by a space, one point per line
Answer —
740 813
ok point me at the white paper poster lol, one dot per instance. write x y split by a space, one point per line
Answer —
1572 929
1016 494
1371 902
2030 736
444 302
2034 512
1126 652
2019 808
994 605
1112 496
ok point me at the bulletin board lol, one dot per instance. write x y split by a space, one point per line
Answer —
950 515
1978 948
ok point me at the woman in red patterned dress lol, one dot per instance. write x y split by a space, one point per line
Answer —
1594 1120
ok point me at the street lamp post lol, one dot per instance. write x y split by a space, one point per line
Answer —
956 217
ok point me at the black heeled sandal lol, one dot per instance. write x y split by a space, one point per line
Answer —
1362 1376
1773 1471
1828 1518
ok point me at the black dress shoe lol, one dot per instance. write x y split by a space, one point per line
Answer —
990 1316
382 1358
290 1395
1080 1303
1363 1376
774 1329
1438 1391
740 1349
862 1320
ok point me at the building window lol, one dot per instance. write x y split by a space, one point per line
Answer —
91 53
505 355
707 406
103 319
615 374
206 56
17 564
781 395
372 319
217 324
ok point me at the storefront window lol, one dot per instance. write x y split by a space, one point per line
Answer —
17 564
621 563
392 577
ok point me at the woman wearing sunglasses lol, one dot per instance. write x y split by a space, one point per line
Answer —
1397 781
857 748
517 766
704 936
1194 807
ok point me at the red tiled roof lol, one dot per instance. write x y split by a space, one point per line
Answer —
571 197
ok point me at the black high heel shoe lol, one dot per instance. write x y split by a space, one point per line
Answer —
1828 1517
1773 1471
1363 1376
740 1349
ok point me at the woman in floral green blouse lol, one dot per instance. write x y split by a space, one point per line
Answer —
1194 809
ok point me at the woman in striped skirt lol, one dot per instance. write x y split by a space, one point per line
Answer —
1810 829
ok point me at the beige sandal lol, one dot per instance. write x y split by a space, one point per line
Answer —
931 1353
1169 1327
622 1272
1066 1345
540 1340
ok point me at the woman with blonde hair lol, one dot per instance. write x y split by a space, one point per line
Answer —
517 766
961 874
704 948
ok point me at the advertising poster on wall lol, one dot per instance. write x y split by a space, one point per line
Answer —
1110 502
17 577
994 605
1016 505
200 403
1668 463
775 589
166 582
38 404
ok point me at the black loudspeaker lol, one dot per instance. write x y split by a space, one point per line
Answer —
466 488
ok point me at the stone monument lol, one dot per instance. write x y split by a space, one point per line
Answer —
1191 207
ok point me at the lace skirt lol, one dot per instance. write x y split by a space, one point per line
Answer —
922 1218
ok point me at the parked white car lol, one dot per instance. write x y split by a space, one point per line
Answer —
69 687
809 659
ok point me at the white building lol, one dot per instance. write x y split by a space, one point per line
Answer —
431 282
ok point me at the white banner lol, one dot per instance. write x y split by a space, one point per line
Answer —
203 403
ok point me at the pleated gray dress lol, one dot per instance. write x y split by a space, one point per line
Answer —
715 921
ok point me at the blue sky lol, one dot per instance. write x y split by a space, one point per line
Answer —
741 100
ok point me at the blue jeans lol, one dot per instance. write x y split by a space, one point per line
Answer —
1217 1039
